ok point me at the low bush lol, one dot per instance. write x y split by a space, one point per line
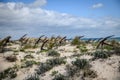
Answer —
9 73
54 73
81 63
44 67
82 48
56 61
11 58
75 41
71 70
29 56
29 63
89 73
100 54
59 77
53 53
33 77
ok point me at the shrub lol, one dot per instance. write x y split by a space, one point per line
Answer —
82 48
44 67
71 70
53 53
29 63
29 56
32 77
59 77
10 73
54 73
56 61
81 63
27 46
89 73
75 41
117 50
11 58
100 54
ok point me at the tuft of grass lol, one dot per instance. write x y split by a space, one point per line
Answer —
100 54
29 56
53 53
56 61
59 77
29 63
11 58
27 46
54 73
81 63
89 73
75 41
82 48
9 73
117 50
33 77
71 70
44 67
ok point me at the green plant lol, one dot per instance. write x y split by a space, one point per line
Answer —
89 73
53 53
29 56
71 70
75 41
82 48
117 50
33 77
54 73
81 63
56 61
10 73
27 46
100 54
11 58
59 77
29 63
44 67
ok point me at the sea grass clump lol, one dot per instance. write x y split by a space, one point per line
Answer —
59 77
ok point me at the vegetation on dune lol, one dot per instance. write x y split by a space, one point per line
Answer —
89 73
76 41
80 67
11 58
53 53
82 48
81 63
59 77
100 54
32 77
44 67
54 73
9 73
29 56
29 63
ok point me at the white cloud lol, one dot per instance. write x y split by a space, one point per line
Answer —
98 5
37 3
19 18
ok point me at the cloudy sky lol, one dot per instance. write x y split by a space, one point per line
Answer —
91 18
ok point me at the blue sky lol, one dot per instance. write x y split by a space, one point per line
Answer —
92 18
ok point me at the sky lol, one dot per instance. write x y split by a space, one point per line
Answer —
91 18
